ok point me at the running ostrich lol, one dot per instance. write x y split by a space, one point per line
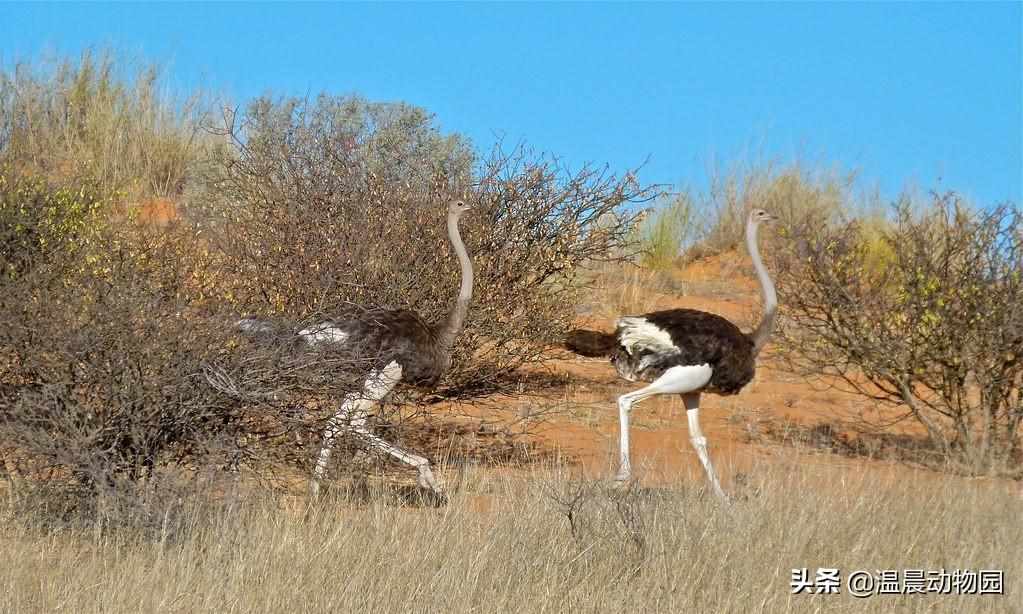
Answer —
415 352
685 352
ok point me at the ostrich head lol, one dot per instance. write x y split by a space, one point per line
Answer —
457 208
758 216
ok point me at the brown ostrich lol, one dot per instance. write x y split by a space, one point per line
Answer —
410 350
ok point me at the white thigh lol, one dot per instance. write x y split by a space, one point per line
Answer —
677 380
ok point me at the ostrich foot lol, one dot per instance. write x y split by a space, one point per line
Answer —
432 490
427 481
314 489
722 496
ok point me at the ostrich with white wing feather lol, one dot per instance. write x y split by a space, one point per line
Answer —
685 352
408 348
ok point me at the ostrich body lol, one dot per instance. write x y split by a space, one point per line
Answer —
410 350
685 352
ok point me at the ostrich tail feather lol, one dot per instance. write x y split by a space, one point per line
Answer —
590 343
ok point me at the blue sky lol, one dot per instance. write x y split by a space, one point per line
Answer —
925 95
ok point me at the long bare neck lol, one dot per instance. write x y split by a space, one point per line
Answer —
766 325
456 319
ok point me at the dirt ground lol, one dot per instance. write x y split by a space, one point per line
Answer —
584 423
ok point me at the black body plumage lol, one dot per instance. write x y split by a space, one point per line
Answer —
698 338
402 336
375 336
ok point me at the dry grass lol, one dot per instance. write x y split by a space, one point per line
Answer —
102 118
791 192
622 288
673 227
505 543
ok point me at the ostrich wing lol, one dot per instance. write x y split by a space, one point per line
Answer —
638 335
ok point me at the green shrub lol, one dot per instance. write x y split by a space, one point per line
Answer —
37 222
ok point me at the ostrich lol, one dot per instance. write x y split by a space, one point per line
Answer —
685 352
411 351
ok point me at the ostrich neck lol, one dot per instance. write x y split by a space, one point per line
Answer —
766 325
456 319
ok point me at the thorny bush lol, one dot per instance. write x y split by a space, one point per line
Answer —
933 327
119 360
111 369
337 202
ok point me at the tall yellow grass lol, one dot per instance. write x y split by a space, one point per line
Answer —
505 543
95 118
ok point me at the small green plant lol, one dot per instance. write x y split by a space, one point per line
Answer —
36 220
667 231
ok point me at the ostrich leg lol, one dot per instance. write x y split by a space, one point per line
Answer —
352 415
676 380
692 403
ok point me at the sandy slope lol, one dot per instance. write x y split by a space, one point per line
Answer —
586 425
